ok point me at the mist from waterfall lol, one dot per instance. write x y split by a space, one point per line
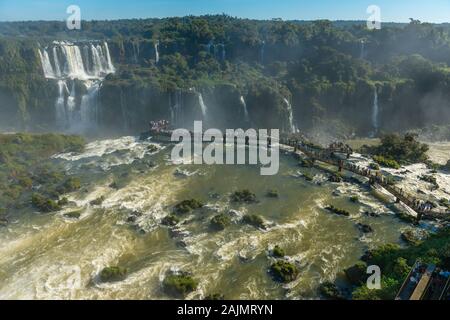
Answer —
362 50
87 62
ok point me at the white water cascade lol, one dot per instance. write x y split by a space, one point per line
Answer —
244 106
156 52
86 62
363 50
176 108
375 111
292 127
202 104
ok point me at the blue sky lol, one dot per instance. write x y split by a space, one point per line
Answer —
391 10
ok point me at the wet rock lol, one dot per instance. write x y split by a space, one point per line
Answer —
3 221
73 214
254 220
170 220
364 228
335 177
414 236
243 196
371 214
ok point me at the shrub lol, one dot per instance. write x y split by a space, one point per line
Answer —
113 274
338 211
374 166
214 297
243 196
179 284
330 291
73 214
43 203
390 163
254 220
284 271
220 222
278 252
187 206
354 199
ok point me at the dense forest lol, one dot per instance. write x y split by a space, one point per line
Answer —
329 72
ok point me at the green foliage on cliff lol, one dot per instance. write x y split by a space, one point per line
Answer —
396 262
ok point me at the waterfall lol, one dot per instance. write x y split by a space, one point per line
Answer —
262 52
203 106
61 116
46 64
363 53
156 52
176 109
292 127
88 62
244 106
375 111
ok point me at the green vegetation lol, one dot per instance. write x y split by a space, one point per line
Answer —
396 263
272 193
396 150
254 220
243 196
278 252
179 284
73 214
284 271
330 291
113 274
338 211
43 203
354 199
374 166
386 162
25 163
187 206
357 274
220 222
430 179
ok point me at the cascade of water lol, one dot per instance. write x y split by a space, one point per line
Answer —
46 64
375 111
203 106
89 63
362 53
111 68
292 127
56 63
89 105
61 115
157 52
244 106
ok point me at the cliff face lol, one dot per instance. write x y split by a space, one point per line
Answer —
145 86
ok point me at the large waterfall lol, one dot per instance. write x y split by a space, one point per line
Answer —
375 111
85 62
